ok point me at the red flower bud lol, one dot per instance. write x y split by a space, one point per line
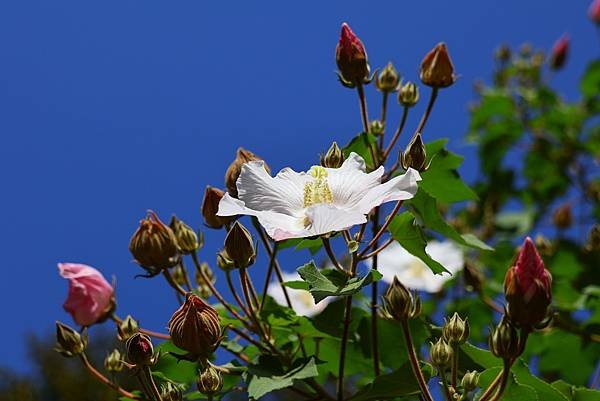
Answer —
528 288
351 57
560 50
437 70
594 11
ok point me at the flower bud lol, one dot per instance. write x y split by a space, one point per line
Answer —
559 53
239 245
376 127
224 261
593 240
388 79
528 288
437 70
399 303
203 286
503 53
210 381
504 340
440 353
140 350
563 217
195 327
113 363
127 328
456 330
154 245
185 235
351 58
594 12
69 342
334 158
543 245
474 278
210 207
235 168
415 155
470 381
178 275
171 392
408 95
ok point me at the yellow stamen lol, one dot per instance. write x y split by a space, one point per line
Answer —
317 191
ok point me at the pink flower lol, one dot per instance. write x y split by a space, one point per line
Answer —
560 50
90 297
594 11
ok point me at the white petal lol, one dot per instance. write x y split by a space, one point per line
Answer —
302 301
401 187
325 218
447 253
350 183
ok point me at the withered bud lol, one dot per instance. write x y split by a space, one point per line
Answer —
171 392
440 353
563 216
195 327
210 380
210 207
333 158
140 350
408 95
593 240
437 70
239 245
399 303
127 328
185 235
224 261
376 127
243 156
388 79
154 245
415 155
113 362
456 330
203 286
504 340
470 381
474 278
69 342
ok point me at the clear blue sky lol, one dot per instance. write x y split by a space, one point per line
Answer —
110 108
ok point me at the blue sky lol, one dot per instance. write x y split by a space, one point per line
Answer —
111 108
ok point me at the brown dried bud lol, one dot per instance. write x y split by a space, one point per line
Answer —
235 168
239 245
195 327
563 216
140 350
185 235
210 207
388 79
399 303
127 328
437 70
408 95
456 330
210 380
415 155
203 286
440 353
154 245
334 158
69 342
113 362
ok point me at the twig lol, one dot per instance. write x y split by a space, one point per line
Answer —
399 130
414 361
172 283
331 254
387 243
104 380
384 227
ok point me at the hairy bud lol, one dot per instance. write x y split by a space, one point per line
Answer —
415 155
437 70
399 303
185 235
470 381
559 53
440 353
127 328
69 342
171 392
113 362
140 350
456 330
239 245
563 217
154 245
195 327
210 207
504 340
408 95
333 158
243 156
351 58
210 380
388 79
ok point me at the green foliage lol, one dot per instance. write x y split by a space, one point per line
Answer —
269 375
360 145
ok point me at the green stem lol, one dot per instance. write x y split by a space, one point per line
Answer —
425 117
172 283
454 372
503 381
390 146
104 380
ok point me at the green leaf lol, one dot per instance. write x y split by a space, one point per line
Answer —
515 391
171 367
268 375
398 383
330 282
590 83
313 245
297 285
518 222
360 144
544 390
409 235
425 206
573 393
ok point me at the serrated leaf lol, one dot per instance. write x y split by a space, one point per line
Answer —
267 375
399 383
330 282
176 370
515 391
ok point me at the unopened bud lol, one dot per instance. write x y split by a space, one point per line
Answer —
503 53
351 58
243 156
559 53
203 286
140 350
376 127
470 381
334 158
171 392
154 245
456 330
113 362
210 207
594 12
544 245
593 240
224 261
399 303
504 340
408 95
437 70
563 217
210 381
388 79
178 275
185 235
69 342
127 328
415 155
239 245
440 353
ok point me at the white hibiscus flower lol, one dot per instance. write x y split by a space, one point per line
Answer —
323 200
302 301
412 272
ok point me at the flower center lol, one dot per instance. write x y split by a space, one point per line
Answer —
317 191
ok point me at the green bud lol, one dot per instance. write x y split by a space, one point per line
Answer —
210 380
376 127
239 245
171 392
186 237
440 353
353 246
127 328
68 341
408 95
456 330
504 340
399 303
387 79
333 158
415 155
470 381
113 362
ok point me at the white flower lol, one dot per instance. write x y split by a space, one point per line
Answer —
297 205
302 301
412 272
